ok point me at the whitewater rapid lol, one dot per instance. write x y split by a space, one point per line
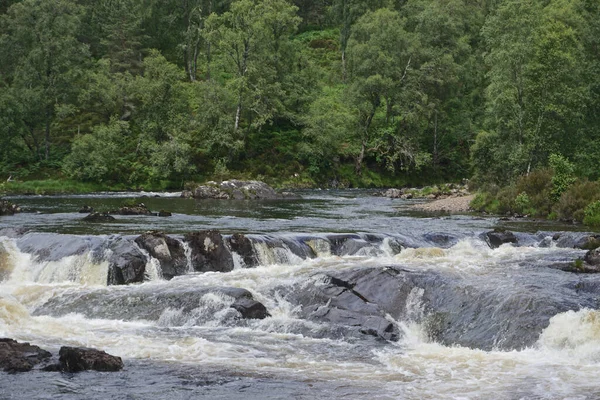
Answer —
564 361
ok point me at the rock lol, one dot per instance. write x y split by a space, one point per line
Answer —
77 359
237 190
20 357
187 194
577 240
241 245
592 257
497 238
127 264
98 217
163 213
250 308
8 208
139 209
86 210
209 252
167 250
393 193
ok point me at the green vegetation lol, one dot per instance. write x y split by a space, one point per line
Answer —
369 93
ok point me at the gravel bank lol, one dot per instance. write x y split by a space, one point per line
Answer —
450 204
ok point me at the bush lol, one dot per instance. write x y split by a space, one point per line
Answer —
563 175
592 214
572 203
537 186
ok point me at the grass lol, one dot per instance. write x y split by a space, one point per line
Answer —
53 186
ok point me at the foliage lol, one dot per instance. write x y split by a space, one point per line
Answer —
563 175
572 203
592 214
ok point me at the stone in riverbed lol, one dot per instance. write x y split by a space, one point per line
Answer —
240 244
497 238
167 250
20 357
209 252
8 208
127 264
236 190
86 210
250 308
98 217
77 359
138 209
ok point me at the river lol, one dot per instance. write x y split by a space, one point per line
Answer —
366 298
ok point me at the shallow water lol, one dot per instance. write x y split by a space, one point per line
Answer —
204 350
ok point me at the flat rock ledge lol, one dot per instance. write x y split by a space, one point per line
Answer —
23 357
454 204
236 190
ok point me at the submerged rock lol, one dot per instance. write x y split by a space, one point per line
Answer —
167 250
99 217
86 210
250 308
209 252
20 357
138 209
77 359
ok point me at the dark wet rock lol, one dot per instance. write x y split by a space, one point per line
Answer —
193 305
77 359
346 244
127 264
250 308
138 209
167 250
209 252
577 240
99 217
497 238
236 190
163 213
441 239
240 244
8 208
20 357
86 210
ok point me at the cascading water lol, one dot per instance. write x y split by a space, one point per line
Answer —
379 314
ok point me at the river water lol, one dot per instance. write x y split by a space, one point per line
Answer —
472 322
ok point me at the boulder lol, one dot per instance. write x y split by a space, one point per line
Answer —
250 308
209 252
393 193
592 257
577 240
167 250
77 359
8 208
20 357
127 264
138 209
241 245
98 217
497 238
237 190
163 213
86 210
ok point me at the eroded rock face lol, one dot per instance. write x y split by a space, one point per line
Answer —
167 250
209 252
77 359
20 357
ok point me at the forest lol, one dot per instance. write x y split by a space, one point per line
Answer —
350 93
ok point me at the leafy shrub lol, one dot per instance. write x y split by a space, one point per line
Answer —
572 203
563 175
592 214
537 186
523 203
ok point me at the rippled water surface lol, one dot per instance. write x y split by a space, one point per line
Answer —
204 350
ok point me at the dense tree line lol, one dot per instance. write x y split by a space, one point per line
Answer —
138 91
